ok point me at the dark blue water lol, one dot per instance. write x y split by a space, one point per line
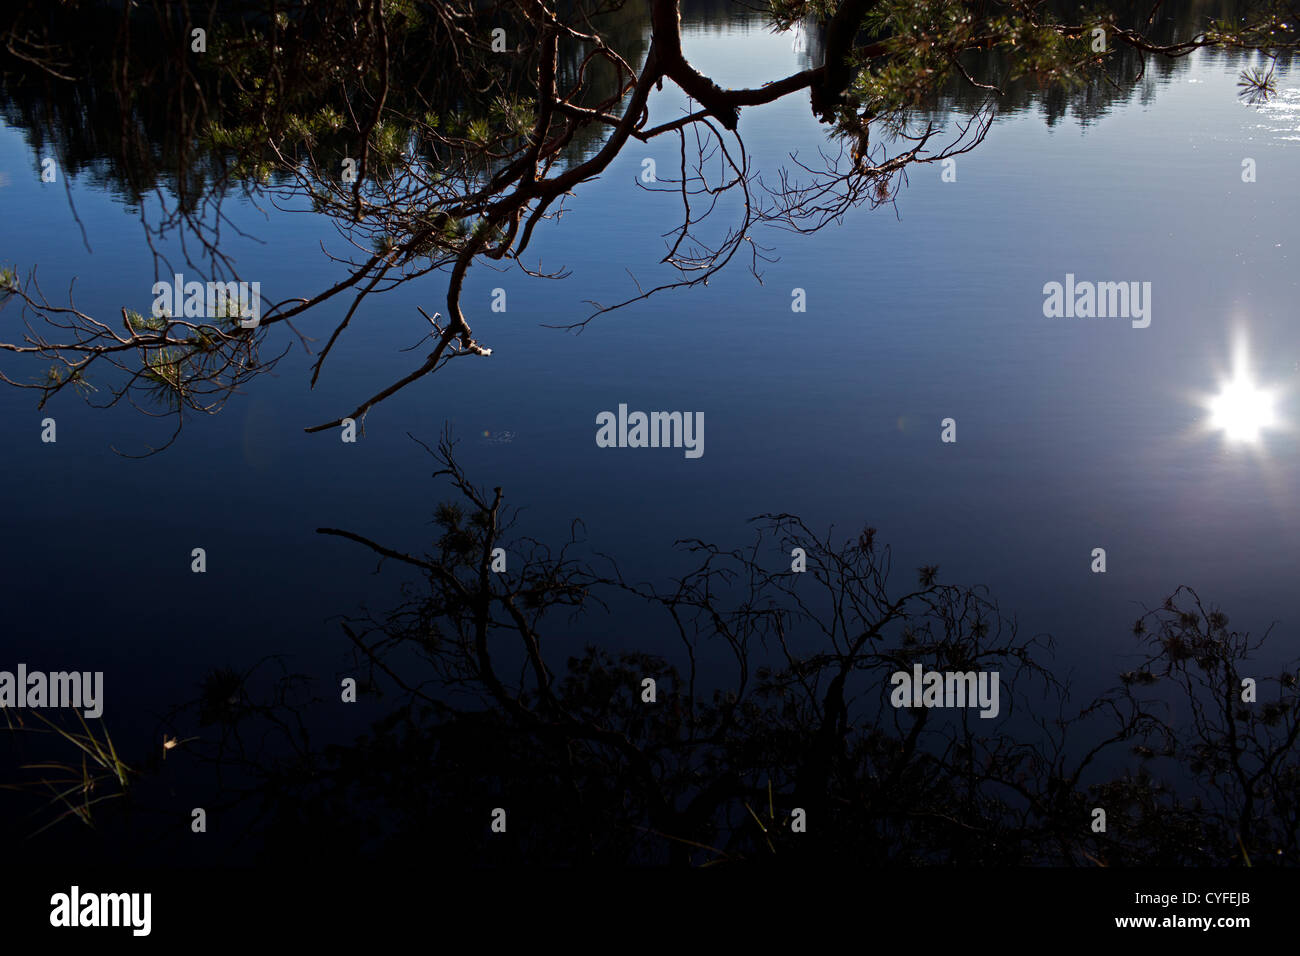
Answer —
1073 434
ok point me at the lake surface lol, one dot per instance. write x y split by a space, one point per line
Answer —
1072 434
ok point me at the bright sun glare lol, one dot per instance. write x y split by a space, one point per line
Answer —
1242 409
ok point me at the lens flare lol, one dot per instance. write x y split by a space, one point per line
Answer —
1242 409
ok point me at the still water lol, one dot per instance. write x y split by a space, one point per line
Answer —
1072 433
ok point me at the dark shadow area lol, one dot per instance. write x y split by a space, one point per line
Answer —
765 727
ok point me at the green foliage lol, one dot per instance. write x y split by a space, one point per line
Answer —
141 324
